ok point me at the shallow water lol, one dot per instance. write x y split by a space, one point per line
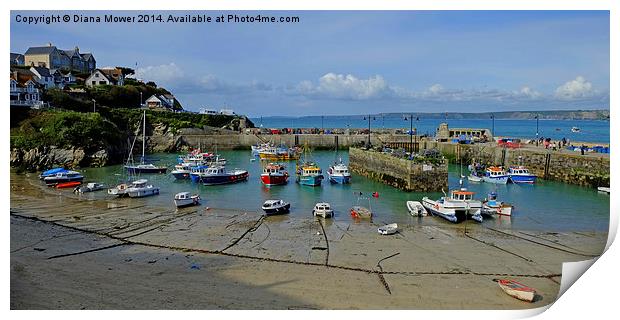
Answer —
549 206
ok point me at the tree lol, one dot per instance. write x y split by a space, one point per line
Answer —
151 84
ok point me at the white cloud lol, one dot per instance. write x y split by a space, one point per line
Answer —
164 74
348 86
575 89
435 89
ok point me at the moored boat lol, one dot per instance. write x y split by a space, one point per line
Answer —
604 190
186 199
471 177
276 207
309 174
495 175
360 212
575 129
520 174
70 184
219 175
278 153
491 206
456 208
52 172
89 187
141 188
120 190
62 177
274 174
391 228
517 290
323 209
339 173
144 167
416 209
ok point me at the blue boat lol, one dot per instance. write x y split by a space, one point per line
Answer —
521 174
52 172
339 173
219 175
196 172
309 174
495 175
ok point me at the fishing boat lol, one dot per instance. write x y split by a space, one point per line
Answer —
181 171
391 228
62 177
70 184
416 209
456 208
491 206
309 174
258 148
495 175
219 175
89 187
141 188
186 199
473 178
517 290
278 153
520 174
276 207
274 174
323 209
575 129
51 172
144 167
339 173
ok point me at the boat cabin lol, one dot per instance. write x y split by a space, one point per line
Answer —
340 170
462 195
273 168
215 170
272 204
519 170
322 206
495 172
139 183
310 171
182 196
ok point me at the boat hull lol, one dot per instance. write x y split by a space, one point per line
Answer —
359 212
54 181
181 175
64 185
279 210
136 170
273 180
496 180
456 215
523 179
310 180
223 179
339 179
142 193
182 203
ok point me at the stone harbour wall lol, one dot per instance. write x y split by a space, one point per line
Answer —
399 173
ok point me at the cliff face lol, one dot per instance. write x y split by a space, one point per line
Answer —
45 157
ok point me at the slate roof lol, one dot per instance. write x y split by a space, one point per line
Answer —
44 72
40 50
86 56
15 56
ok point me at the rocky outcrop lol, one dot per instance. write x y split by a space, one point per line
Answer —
47 157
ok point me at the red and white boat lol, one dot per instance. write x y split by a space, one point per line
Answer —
517 289
274 174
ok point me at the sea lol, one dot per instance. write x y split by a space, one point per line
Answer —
592 131
546 206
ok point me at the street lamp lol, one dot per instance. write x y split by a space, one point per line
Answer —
493 125
373 118
94 105
141 103
536 130
411 133
322 126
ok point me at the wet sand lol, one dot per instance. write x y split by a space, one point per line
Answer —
72 253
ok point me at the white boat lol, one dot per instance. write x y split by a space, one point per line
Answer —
496 175
185 199
144 167
339 173
120 190
473 178
89 187
276 207
517 290
416 209
604 189
141 188
491 206
456 208
575 129
323 209
63 176
520 174
391 228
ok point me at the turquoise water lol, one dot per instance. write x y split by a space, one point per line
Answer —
548 206
591 130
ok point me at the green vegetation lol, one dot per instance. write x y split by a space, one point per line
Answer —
64 129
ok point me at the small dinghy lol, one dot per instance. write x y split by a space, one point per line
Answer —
360 212
473 178
185 199
89 187
70 184
276 207
517 289
391 228
604 190
416 209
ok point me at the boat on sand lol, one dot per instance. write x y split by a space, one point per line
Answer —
391 228
186 199
516 289
416 209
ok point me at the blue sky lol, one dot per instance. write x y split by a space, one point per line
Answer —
347 62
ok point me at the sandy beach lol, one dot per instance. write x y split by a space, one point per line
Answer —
72 253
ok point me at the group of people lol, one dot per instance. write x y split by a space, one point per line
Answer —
553 145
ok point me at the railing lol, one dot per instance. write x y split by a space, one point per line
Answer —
26 90
29 103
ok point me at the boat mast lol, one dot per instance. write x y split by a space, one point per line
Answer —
143 136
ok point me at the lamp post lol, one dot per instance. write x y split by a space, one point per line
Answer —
536 130
94 106
322 126
141 103
413 135
373 118
493 125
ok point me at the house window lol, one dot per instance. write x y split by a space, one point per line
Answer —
102 82
94 82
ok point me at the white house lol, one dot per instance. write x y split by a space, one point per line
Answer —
160 101
227 112
25 93
102 77
43 77
207 111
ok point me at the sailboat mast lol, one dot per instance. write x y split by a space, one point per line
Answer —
143 135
